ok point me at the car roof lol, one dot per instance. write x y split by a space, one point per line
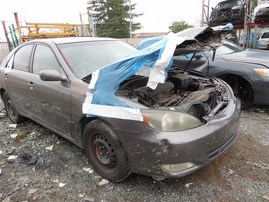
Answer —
63 40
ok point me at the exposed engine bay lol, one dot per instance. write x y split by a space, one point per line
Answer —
190 93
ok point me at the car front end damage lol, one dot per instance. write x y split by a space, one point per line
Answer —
172 150
170 121
231 11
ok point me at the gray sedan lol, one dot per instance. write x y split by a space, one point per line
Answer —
124 126
246 71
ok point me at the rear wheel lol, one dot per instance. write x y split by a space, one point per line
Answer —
104 151
11 109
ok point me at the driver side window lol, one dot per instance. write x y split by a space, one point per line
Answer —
44 59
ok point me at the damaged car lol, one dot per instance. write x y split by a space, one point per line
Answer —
131 111
261 12
245 70
228 11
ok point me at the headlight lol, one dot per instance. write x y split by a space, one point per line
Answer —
169 120
262 72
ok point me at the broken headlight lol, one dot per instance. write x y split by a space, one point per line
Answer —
163 120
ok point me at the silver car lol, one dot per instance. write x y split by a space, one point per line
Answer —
123 125
263 42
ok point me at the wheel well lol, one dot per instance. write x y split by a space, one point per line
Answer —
238 84
84 121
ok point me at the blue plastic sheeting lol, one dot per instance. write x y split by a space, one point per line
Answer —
147 42
157 59
226 27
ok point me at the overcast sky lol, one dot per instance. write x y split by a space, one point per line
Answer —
157 15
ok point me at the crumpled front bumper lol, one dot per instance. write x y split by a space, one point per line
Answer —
149 152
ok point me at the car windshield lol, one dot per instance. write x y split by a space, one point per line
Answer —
227 48
84 58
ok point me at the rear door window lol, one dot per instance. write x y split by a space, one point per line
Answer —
22 58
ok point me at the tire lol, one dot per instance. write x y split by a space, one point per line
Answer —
11 110
104 151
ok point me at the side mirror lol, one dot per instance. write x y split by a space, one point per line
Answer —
51 75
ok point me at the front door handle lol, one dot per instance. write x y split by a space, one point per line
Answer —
5 76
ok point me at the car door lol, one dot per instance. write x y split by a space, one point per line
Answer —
49 100
16 79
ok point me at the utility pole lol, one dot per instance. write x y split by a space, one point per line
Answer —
205 13
247 28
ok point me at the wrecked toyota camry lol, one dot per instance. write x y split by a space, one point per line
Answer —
131 111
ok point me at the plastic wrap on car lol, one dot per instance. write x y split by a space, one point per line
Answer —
153 62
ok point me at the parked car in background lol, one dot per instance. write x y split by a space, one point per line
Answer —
263 41
228 11
261 12
125 119
246 71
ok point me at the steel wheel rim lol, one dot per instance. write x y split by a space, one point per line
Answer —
103 153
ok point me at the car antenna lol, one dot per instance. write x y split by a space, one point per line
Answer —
189 62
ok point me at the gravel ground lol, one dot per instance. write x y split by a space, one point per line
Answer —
49 168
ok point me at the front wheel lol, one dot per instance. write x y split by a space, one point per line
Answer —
104 151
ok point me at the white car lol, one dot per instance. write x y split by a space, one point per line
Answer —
261 12
264 40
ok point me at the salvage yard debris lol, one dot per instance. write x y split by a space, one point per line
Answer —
2 115
61 184
13 125
12 157
103 182
32 191
28 159
56 181
14 136
230 171
188 185
89 170
50 148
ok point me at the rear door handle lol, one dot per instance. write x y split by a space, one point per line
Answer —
31 84
5 76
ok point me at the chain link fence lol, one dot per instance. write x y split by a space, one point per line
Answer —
3 50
